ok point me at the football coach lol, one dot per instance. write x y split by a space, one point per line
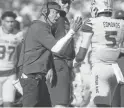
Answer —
36 55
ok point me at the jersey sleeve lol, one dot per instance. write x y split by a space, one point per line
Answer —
87 26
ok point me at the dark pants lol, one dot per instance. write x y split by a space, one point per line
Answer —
60 95
35 92
121 88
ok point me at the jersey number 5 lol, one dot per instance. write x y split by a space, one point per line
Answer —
111 37
3 51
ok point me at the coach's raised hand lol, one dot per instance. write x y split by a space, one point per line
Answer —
76 24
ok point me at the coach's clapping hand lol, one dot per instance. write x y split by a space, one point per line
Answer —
76 24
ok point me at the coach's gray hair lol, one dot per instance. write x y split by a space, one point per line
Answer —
43 9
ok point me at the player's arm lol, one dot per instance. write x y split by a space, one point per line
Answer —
84 46
86 33
122 44
122 50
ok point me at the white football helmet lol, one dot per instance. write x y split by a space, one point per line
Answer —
99 6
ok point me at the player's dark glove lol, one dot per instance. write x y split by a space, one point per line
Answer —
76 24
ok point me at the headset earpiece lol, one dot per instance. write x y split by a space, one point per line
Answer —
47 9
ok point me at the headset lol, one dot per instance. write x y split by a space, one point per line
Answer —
46 10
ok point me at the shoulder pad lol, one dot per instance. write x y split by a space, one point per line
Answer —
87 22
87 26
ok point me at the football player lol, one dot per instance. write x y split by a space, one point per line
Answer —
105 35
9 40
81 78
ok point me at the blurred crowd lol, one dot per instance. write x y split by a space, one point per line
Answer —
27 9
